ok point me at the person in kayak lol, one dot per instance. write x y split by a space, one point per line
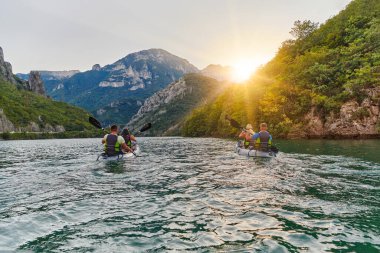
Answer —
128 137
263 139
113 143
246 135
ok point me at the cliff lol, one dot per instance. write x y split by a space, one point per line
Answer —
6 69
167 109
35 83
354 120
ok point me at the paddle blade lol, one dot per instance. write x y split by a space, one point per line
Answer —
274 149
235 124
94 122
146 127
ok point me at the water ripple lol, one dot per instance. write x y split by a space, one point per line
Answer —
183 196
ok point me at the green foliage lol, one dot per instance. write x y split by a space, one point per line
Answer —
302 29
6 136
22 107
322 69
360 114
61 135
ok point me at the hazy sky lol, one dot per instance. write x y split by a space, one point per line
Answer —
75 34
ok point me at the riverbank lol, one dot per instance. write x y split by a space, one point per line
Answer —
50 135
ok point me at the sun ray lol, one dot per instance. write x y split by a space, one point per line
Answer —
244 69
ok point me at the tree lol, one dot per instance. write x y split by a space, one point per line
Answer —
302 29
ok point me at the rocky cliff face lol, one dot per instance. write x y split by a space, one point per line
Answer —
166 109
96 67
51 75
53 80
6 69
35 83
5 124
355 120
173 91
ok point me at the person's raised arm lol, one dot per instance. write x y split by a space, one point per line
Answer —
104 139
133 138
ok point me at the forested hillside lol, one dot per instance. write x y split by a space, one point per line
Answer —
27 111
24 107
323 83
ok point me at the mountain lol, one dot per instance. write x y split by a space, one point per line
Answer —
115 92
52 79
218 72
167 108
25 108
325 83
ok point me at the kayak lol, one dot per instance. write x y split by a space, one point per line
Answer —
253 153
120 157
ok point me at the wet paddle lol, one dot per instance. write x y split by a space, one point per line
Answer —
145 127
236 124
95 123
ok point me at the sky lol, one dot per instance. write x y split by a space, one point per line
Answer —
76 34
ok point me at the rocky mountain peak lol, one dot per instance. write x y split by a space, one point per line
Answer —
6 69
1 56
35 83
159 56
96 67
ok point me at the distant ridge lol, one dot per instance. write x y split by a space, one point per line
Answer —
115 92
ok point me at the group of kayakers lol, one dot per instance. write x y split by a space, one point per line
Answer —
115 144
259 141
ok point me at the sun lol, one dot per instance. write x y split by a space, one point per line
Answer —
243 70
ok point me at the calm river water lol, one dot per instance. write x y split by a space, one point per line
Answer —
190 195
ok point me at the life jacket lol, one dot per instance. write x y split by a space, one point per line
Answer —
128 141
263 142
248 143
112 146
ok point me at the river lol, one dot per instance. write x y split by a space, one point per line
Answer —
187 194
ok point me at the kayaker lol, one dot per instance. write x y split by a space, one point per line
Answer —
128 137
113 143
263 139
246 135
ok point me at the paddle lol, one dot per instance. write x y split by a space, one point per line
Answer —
236 124
145 127
97 124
